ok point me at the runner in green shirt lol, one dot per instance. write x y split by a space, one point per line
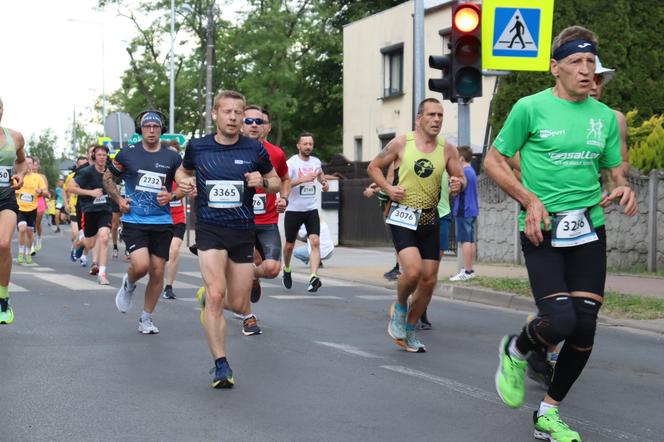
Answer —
564 138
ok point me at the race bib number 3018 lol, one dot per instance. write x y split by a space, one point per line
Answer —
224 194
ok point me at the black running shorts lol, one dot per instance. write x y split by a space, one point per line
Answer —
426 238
93 221
29 218
9 204
293 221
239 243
179 230
565 269
268 241
156 237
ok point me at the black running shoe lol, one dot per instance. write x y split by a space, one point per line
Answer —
423 323
193 249
250 326
256 291
223 375
287 280
314 284
539 369
393 274
168 293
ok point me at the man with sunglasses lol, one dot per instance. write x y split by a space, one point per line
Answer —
564 139
266 206
148 170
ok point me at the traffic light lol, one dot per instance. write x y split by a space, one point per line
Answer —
466 44
443 84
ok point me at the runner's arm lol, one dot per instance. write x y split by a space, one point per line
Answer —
454 169
111 187
20 165
271 182
185 179
389 155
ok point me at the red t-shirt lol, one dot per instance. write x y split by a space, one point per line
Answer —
177 208
265 205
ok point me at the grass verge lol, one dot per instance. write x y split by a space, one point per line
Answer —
616 305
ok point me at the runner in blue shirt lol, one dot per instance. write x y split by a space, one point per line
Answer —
148 170
229 167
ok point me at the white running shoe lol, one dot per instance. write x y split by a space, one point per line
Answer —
84 261
102 280
123 297
463 276
147 327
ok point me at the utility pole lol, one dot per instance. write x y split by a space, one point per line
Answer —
418 56
171 104
209 63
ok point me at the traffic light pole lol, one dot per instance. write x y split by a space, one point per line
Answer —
463 139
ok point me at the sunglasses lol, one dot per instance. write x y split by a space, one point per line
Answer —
598 78
250 121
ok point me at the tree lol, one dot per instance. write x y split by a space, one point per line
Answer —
42 147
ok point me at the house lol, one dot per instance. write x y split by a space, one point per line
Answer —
378 79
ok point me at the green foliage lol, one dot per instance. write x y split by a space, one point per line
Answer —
646 150
41 147
629 36
284 55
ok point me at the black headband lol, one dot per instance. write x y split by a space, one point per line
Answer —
572 47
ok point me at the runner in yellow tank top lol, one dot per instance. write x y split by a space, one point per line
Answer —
421 159
12 168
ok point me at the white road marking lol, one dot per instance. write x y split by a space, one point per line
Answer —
72 282
297 297
493 398
13 288
144 280
349 349
377 297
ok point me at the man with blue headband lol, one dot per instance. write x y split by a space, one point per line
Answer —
564 138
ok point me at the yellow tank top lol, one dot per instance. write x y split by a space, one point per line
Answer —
421 173
73 198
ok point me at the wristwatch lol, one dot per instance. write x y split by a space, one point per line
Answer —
266 183
285 198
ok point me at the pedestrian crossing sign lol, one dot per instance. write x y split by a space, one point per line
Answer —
516 34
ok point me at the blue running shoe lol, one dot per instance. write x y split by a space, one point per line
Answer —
79 252
223 375
397 325
72 255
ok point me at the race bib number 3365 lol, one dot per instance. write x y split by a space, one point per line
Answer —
223 194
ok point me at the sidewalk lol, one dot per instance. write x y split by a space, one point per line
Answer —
367 265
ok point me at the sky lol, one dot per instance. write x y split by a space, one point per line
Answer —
50 65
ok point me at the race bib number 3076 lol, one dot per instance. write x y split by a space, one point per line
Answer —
403 216
149 181
224 194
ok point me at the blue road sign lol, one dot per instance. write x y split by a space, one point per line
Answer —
516 32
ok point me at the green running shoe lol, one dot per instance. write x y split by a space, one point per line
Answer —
397 325
28 259
551 427
510 375
6 312
19 259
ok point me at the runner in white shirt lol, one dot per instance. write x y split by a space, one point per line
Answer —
304 171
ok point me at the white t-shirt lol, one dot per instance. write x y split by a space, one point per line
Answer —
303 197
326 244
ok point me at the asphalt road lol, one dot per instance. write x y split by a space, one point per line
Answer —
73 368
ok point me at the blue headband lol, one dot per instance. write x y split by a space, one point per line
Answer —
572 47
150 117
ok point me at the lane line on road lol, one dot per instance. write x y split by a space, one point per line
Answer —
377 297
493 398
349 349
297 297
13 288
72 282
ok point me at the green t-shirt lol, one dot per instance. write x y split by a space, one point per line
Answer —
563 145
444 202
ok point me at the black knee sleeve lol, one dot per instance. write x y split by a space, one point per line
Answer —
555 321
583 335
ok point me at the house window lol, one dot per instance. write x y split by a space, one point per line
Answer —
358 148
392 70
385 138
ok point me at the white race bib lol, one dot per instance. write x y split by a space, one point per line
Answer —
175 203
5 176
403 216
223 194
101 199
572 228
308 190
27 197
260 203
149 181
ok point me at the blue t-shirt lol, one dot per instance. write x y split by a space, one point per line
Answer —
223 197
144 174
469 195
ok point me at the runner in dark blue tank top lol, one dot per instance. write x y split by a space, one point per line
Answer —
228 168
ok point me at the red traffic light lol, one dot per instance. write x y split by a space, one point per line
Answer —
467 17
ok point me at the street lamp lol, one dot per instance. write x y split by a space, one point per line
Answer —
103 63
